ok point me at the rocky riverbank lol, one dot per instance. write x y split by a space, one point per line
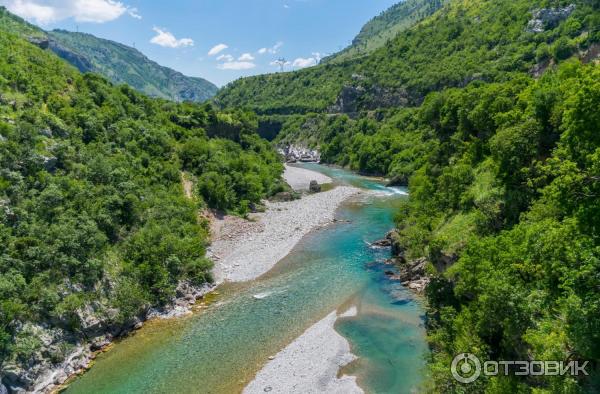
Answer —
243 250
310 364
98 329
299 178
411 273
246 249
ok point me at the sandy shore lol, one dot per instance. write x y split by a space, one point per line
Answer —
243 250
310 364
299 178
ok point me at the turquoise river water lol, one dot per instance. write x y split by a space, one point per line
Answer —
220 348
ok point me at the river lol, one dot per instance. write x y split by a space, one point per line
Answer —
221 347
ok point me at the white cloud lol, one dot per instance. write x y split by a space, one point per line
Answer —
32 11
246 57
217 49
304 62
236 66
286 6
225 58
98 11
165 38
50 11
273 50
133 12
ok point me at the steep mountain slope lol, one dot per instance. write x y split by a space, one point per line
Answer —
123 64
117 62
17 25
488 111
464 41
385 27
95 228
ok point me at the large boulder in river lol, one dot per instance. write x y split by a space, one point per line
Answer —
314 187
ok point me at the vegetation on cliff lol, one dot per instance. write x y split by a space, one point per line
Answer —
118 63
487 110
385 26
123 64
93 217
462 42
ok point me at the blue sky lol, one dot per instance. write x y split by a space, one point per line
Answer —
219 40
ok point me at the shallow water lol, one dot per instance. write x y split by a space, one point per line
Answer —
220 349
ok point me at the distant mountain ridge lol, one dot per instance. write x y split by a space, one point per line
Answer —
123 64
117 62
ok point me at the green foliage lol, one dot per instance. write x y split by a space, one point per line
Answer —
122 64
503 177
384 27
17 25
464 41
117 62
92 209
524 226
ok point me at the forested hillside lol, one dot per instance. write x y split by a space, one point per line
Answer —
488 111
94 225
123 64
480 40
117 62
384 27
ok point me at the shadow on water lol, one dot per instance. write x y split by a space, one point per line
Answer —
221 347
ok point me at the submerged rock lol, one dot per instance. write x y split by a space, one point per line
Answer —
383 243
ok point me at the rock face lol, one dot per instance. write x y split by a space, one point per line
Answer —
385 242
592 54
41 42
348 100
548 18
314 187
397 247
61 353
77 60
353 98
399 180
293 154
412 275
